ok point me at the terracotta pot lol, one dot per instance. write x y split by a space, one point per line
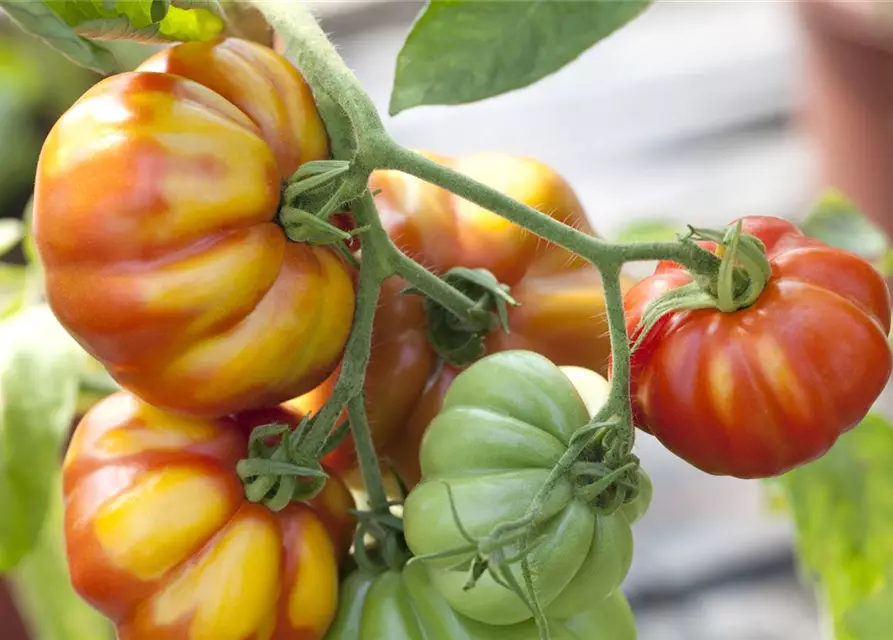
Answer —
849 99
11 625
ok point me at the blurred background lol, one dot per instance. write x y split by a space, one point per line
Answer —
695 112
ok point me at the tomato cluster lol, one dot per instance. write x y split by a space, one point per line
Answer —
561 311
156 218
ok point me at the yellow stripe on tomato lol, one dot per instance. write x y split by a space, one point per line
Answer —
314 594
163 518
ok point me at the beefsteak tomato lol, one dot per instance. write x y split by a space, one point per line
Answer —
759 391
405 605
506 421
161 539
155 216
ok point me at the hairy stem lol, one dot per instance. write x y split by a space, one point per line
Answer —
390 155
356 355
620 353
369 467
358 135
321 65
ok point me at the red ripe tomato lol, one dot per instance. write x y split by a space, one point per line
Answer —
759 391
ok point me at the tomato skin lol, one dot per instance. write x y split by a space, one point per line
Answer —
406 605
404 455
165 189
161 539
767 388
506 421
562 302
561 316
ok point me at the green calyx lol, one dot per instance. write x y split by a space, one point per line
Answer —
278 474
379 543
460 340
310 197
604 472
743 273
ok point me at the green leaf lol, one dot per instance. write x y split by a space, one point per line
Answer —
70 25
838 222
460 51
36 18
650 230
41 586
40 366
843 511
178 25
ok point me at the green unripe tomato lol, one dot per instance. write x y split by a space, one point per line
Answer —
404 605
505 423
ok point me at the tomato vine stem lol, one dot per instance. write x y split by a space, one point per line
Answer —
358 135
374 268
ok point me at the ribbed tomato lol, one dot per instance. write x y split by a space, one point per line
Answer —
161 539
155 216
505 423
761 390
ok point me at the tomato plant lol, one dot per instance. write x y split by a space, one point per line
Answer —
161 539
283 290
404 604
506 422
164 184
768 387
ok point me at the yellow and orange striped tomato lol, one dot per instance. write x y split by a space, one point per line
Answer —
562 312
161 539
155 215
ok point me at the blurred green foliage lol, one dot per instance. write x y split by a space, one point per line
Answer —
37 85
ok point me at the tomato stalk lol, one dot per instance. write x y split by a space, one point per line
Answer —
358 136
373 271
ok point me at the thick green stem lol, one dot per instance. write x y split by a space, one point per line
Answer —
369 468
321 65
356 355
390 155
358 135
620 352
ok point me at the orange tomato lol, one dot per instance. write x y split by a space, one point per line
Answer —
155 216
161 539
